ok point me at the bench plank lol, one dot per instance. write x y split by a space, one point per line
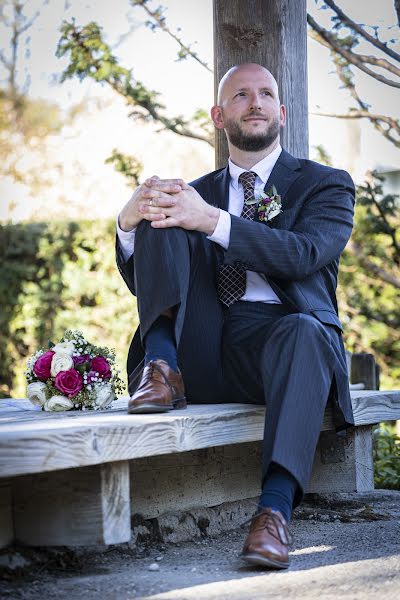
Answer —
35 442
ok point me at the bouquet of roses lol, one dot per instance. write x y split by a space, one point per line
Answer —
72 374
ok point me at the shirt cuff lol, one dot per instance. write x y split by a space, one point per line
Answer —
222 233
126 241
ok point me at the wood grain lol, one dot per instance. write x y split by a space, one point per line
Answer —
272 33
85 506
35 442
116 504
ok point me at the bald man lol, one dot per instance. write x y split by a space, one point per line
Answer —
235 278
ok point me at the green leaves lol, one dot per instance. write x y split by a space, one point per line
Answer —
47 271
90 56
126 164
386 457
369 279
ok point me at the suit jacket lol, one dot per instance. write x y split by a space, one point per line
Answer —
298 251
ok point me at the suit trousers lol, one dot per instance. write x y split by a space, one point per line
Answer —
252 352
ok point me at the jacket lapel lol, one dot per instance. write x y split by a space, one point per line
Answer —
285 172
220 189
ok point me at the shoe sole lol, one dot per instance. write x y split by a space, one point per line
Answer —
150 407
263 561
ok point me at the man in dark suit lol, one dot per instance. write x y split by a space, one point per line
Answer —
235 277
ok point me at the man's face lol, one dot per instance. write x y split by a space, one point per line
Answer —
249 109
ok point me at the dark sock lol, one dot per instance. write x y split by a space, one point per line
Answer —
278 490
159 342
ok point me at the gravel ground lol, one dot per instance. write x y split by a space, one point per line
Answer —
347 546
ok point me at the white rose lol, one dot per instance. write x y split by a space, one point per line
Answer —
36 393
61 362
56 403
104 395
65 347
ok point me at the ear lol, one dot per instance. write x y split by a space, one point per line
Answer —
283 115
216 115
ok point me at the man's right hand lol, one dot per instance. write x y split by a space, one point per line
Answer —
133 211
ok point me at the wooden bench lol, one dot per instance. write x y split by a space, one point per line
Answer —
76 478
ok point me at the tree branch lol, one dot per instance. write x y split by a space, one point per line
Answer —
356 249
91 57
157 16
353 58
359 29
376 120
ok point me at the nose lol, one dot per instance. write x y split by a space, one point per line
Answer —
255 101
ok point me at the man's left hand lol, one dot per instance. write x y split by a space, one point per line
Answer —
189 211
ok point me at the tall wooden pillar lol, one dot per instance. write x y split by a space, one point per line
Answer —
272 33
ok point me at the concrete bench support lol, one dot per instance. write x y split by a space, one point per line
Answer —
82 506
343 464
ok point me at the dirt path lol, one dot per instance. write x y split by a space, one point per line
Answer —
348 548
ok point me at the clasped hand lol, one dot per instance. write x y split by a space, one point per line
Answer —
169 203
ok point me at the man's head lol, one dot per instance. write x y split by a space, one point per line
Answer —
249 108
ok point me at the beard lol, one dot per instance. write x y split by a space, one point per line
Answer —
251 142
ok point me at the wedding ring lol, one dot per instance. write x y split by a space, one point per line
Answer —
151 202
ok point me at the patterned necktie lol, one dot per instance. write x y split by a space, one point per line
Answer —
232 280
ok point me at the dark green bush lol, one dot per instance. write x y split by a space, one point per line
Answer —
386 457
57 276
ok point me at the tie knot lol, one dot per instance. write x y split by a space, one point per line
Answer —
248 179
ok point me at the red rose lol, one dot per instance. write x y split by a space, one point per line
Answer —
69 382
101 366
42 366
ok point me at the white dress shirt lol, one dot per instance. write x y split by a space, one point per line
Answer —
257 287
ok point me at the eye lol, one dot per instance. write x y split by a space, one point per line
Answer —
240 94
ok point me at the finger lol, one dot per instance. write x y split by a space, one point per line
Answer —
155 206
152 179
157 198
165 223
165 185
154 217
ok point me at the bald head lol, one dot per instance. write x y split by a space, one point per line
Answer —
249 110
240 74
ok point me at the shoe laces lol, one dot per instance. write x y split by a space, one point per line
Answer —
273 524
151 367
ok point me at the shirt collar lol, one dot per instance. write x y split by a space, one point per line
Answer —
262 169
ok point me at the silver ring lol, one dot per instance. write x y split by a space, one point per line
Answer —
151 202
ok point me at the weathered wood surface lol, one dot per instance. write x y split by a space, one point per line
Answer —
364 369
34 441
272 33
85 506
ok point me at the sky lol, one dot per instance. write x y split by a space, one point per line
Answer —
184 86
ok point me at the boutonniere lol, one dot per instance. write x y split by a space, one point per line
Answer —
269 204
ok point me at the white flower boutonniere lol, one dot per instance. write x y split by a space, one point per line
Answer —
269 204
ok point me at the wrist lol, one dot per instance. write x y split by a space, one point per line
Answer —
125 223
211 221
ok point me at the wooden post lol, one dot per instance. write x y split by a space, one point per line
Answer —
73 507
272 33
364 370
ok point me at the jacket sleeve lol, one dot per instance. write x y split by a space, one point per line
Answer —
318 236
126 268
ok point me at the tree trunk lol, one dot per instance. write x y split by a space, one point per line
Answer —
272 33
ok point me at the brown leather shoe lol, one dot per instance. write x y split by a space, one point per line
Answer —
160 389
268 540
